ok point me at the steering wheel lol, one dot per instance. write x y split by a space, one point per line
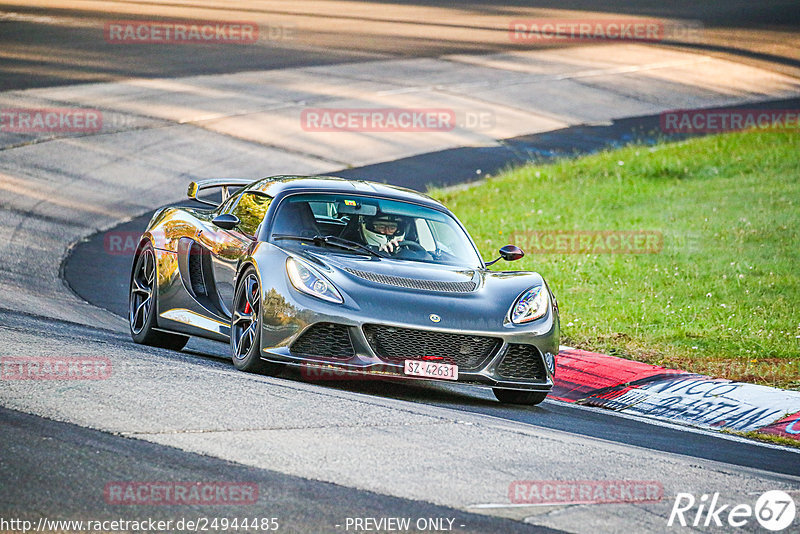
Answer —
412 245
411 249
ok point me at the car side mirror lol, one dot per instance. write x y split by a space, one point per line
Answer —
226 221
508 253
511 253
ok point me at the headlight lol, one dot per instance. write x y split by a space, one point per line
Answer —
530 306
308 280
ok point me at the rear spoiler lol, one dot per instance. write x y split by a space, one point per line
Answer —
224 183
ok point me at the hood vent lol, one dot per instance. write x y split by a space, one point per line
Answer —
414 283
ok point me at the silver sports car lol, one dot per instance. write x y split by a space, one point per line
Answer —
330 274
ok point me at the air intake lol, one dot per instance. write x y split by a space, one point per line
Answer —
413 283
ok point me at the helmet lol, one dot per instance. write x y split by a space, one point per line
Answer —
380 229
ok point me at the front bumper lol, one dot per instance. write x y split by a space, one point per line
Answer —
521 362
289 314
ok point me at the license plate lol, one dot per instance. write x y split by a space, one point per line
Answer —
444 371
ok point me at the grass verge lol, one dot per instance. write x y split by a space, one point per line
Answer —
766 438
722 295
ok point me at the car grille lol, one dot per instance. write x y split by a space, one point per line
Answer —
413 283
522 362
468 352
324 340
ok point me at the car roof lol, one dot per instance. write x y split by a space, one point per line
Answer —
279 185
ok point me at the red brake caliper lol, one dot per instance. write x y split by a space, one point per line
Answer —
247 308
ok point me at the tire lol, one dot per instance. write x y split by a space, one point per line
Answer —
246 326
143 303
515 396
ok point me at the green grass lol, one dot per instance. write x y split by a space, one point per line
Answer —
722 297
766 438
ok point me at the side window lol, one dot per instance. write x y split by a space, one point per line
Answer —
251 210
323 210
425 236
226 206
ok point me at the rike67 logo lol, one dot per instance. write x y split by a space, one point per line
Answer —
774 510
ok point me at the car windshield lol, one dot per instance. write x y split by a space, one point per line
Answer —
360 225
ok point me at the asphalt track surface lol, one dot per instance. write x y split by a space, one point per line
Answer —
80 460
46 43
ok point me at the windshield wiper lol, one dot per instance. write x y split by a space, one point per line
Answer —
332 240
341 242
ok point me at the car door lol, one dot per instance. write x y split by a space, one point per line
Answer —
226 247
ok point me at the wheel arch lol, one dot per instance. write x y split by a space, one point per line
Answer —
243 265
143 241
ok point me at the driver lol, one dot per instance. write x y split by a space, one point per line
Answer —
383 231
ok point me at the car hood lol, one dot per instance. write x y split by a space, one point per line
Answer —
408 293
415 276
397 268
